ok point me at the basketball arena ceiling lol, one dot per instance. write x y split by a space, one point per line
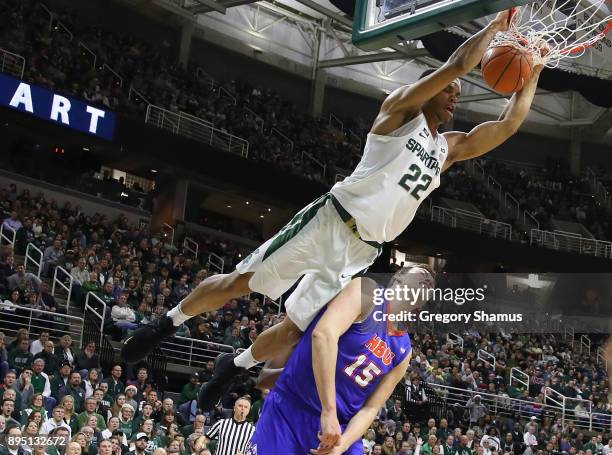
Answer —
304 36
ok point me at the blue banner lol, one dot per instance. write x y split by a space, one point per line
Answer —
66 111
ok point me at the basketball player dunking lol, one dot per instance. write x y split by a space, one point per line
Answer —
340 235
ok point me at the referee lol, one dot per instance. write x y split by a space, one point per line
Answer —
235 433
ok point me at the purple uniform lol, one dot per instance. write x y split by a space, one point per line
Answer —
290 419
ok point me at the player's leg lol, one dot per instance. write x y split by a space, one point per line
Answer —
276 342
270 270
211 294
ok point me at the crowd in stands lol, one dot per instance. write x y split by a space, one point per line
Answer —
252 113
552 192
55 60
52 387
123 264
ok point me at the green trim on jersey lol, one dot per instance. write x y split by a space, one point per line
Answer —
297 223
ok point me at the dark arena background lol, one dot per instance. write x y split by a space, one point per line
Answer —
146 146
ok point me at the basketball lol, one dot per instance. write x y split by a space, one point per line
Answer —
506 68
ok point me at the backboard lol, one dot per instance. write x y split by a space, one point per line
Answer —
380 23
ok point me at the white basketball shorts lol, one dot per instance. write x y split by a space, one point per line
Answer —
318 245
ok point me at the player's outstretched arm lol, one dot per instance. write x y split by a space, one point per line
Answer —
408 99
489 135
341 312
364 418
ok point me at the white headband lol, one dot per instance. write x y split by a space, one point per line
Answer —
457 82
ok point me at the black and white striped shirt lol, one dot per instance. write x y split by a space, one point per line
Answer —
233 436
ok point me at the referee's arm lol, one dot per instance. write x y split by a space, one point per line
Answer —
213 433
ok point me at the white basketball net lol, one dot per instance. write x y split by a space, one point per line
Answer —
568 28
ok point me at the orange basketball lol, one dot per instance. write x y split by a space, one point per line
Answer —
506 69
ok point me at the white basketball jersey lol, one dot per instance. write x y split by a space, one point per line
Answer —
396 173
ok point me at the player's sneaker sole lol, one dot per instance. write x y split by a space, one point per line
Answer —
146 338
211 392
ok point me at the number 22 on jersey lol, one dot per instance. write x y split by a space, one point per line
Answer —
415 175
362 376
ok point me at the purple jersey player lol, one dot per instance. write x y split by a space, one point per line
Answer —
350 360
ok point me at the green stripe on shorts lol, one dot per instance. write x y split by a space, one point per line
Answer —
296 224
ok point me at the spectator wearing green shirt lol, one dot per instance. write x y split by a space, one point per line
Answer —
428 446
190 390
257 406
90 410
126 420
20 357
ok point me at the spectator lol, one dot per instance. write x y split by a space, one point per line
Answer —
49 358
26 282
92 382
40 380
190 390
65 350
87 359
12 434
12 222
56 421
20 357
37 404
90 411
74 389
38 345
115 386
8 408
70 417
4 365
530 440
123 316
476 409
51 256
62 377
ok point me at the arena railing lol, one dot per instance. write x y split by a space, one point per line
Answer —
49 13
585 344
62 279
487 357
136 96
168 231
226 93
29 258
7 234
284 137
314 160
601 358
197 129
192 246
12 63
87 51
13 318
455 339
519 376
335 123
200 73
259 121
462 219
192 352
564 241
455 399
216 262
95 308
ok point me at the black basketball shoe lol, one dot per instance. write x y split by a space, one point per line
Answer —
146 339
212 391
